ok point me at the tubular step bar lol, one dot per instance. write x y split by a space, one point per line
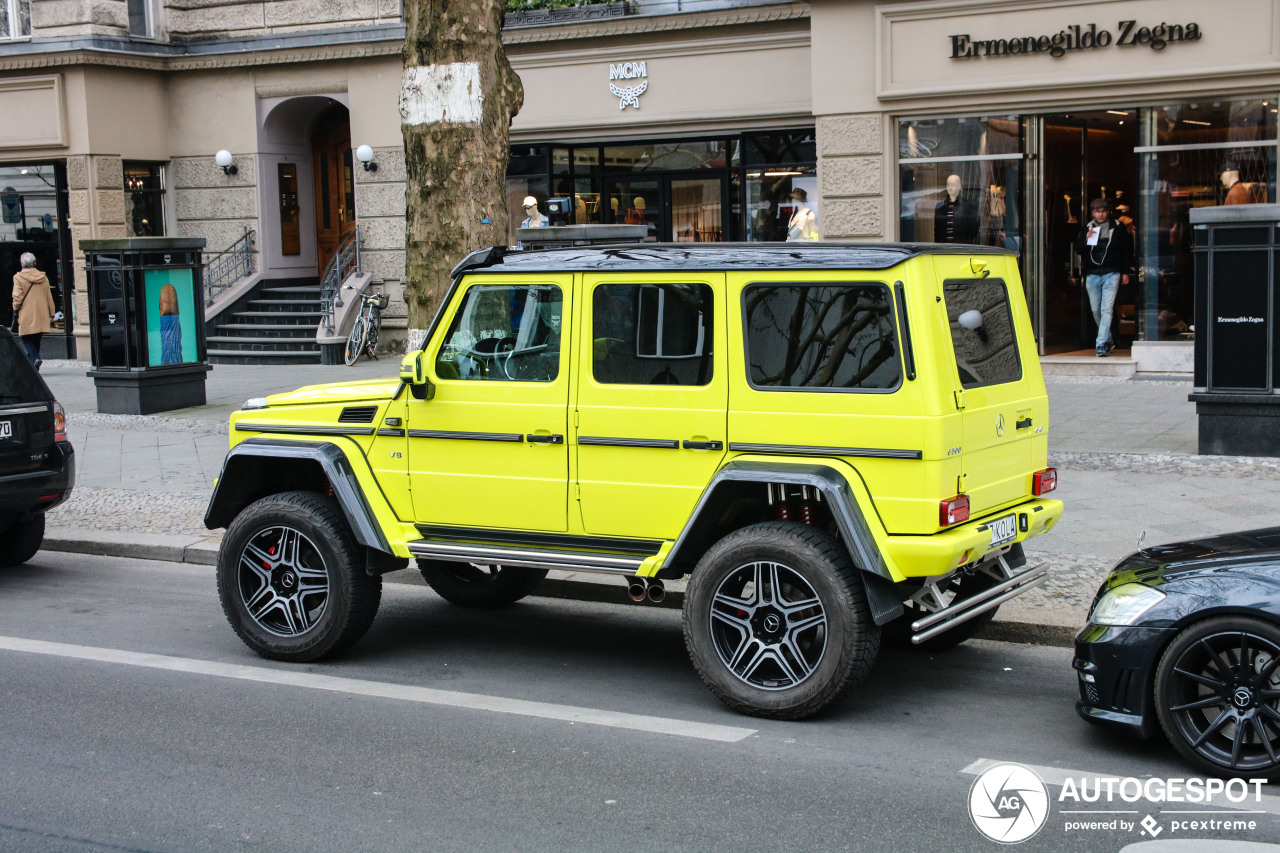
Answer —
582 561
962 611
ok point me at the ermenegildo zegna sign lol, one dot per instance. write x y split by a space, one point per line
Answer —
1076 37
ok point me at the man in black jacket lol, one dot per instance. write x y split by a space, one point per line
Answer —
1106 252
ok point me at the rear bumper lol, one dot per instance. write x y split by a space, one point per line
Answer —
942 553
41 490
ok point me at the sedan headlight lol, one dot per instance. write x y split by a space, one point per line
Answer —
1124 604
255 403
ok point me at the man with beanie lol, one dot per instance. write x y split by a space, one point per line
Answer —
1106 253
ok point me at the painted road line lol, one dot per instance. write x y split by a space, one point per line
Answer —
378 689
1058 776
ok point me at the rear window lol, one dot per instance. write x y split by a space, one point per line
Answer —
19 382
821 337
982 331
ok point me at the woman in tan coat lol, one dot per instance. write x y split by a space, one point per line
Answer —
33 306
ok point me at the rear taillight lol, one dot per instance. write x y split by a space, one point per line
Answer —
1043 482
954 511
59 422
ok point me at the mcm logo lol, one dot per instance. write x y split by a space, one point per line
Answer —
628 96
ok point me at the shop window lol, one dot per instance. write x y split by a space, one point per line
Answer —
647 334
679 156
16 15
771 199
1203 123
846 334
29 222
144 199
796 147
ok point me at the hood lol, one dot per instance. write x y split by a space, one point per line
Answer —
1252 552
371 390
31 276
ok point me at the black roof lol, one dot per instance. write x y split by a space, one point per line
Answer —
664 257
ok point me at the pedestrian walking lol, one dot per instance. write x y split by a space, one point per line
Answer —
33 307
1106 254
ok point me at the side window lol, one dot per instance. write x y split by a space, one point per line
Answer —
651 334
504 333
821 336
982 333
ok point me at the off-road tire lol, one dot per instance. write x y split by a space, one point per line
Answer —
351 596
810 558
898 632
22 539
484 587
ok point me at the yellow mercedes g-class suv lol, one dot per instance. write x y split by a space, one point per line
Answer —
830 441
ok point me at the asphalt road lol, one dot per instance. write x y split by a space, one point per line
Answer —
132 719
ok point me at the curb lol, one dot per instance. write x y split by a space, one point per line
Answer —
570 586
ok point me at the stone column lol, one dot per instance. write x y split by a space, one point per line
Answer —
851 170
380 209
95 187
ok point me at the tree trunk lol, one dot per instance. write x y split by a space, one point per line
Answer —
457 98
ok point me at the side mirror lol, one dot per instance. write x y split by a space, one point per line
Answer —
413 372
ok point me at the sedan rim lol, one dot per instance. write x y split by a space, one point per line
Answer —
283 581
768 626
1225 699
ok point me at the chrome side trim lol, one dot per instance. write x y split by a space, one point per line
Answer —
528 557
26 410
604 441
963 611
806 450
466 436
286 429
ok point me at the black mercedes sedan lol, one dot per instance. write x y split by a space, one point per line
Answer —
1185 638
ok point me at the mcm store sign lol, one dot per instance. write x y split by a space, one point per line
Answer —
628 95
1130 33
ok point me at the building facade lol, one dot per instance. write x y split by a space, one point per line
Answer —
707 120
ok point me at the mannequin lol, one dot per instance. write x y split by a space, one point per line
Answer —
803 226
954 219
533 219
635 215
1237 193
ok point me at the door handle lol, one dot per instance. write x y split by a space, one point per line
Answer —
545 439
704 445
1023 424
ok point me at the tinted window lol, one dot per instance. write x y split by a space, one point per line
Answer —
504 333
19 382
833 336
982 331
652 334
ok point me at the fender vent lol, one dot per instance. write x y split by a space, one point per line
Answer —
358 415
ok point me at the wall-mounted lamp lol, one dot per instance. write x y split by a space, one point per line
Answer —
224 159
365 155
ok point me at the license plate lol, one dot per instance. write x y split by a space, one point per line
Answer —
6 429
1003 530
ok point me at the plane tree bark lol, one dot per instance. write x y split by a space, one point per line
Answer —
458 95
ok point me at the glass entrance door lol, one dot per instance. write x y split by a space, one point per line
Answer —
1086 155
697 210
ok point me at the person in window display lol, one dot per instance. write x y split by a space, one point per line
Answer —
803 225
1106 253
1237 193
954 219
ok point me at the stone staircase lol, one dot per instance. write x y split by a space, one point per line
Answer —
276 325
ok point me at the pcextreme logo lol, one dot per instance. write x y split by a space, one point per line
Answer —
1009 803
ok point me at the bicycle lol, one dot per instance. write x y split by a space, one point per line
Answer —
364 333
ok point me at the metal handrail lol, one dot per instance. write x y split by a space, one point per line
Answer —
344 263
225 268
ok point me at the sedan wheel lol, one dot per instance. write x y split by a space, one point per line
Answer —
1218 696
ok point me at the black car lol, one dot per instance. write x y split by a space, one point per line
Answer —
37 463
1185 638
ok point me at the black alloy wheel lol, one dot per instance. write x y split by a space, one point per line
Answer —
1217 692
776 621
292 579
480 586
